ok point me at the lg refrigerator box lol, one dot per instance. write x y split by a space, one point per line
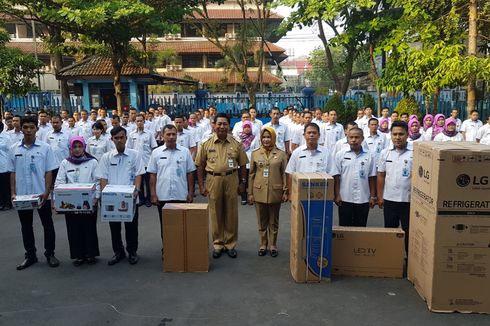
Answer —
76 197
311 227
376 252
117 203
185 237
26 202
449 248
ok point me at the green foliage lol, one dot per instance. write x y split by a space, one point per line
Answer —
408 105
344 111
16 69
368 101
350 112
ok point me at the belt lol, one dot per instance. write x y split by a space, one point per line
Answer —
221 174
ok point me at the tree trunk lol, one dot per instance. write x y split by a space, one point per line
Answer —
57 58
435 101
472 44
329 58
374 77
349 62
117 68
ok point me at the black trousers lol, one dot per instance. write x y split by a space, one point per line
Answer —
244 195
82 235
351 214
145 189
5 200
26 219
131 229
396 213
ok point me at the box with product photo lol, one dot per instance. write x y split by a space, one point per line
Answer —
449 247
185 237
117 203
26 202
75 197
375 252
311 227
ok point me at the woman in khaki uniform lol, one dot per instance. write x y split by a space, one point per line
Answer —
268 188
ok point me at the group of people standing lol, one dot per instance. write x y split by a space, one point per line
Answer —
370 160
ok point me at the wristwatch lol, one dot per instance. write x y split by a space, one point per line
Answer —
244 180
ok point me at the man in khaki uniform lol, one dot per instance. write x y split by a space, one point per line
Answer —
268 188
221 157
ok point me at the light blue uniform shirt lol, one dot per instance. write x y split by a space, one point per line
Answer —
120 169
30 166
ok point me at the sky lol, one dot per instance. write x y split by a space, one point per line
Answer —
298 42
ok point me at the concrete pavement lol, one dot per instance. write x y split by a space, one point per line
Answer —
249 290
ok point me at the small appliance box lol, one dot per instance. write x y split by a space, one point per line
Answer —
311 227
449 247
26 202
376 252
76 197
185 238
117 203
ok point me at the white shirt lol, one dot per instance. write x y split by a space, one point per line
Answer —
163 121
258 124
42 131
376 144
186 139
120 168
298 137
85 129
238 128
15 137
60 144
354 171
98 147
398 167
171 167
343 144
75 131
5 144
282 134
285 120
302 160
442 137
331 133
130 127
143 142
253 146
30 166
78 173
483 134
470 128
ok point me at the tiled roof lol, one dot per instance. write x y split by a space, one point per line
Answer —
184 46
235 14
214 77
101 66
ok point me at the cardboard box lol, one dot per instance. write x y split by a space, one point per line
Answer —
377 252
117 203
75 197
185 237
449 247
311 227
26 202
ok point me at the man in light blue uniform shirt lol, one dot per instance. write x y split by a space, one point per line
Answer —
31 165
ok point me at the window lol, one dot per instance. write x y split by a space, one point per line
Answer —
11 30
213 60
192 61
189 30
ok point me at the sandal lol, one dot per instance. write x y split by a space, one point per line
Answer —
274 253
262 251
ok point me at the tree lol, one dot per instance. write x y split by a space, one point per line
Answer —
241 52
16 70
111 23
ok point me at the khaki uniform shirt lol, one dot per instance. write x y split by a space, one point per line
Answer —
267 178
221 156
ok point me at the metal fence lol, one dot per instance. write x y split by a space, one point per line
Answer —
232 104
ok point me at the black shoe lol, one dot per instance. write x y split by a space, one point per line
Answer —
116 258
91 260
232 253
262 252
274 252
133 258
52 261
244 202
2 208
217 253
78 262
148 204
26 263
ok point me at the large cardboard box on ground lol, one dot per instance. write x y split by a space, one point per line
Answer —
185 237
117 203
449 248
26 202
311 227
75 197
377 252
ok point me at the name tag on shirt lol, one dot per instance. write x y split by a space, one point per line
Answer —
266 173
304 156
231 163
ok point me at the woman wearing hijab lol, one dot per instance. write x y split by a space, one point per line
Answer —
436 128
412 117
414 133
427 122
80 167
250 143
267 189
449 133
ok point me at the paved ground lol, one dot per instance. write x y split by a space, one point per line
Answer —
250 290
